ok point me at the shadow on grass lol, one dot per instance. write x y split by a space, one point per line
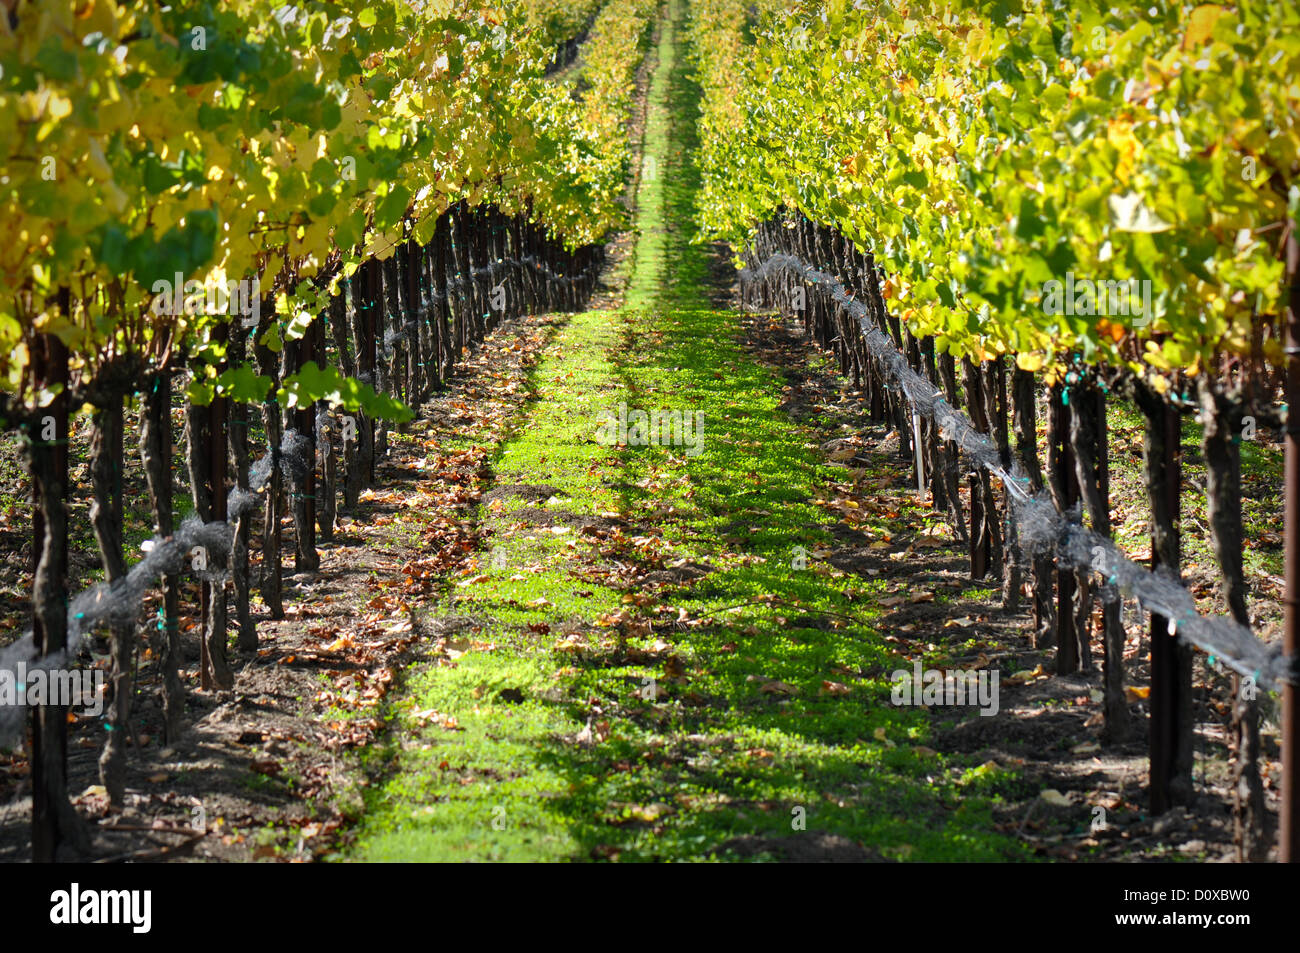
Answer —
757 706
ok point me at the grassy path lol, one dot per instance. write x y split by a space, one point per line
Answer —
641 667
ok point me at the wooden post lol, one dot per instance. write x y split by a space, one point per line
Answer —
1171 662
215 669
1060 454
54 822
980 544
1289 834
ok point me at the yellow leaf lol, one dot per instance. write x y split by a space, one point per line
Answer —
1019 678
1200 25
1119 133
649 812
1031 362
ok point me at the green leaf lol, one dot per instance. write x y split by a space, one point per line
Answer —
243 384
200 392
391 210
312 383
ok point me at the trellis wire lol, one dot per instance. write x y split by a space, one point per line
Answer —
1042 528
119 601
